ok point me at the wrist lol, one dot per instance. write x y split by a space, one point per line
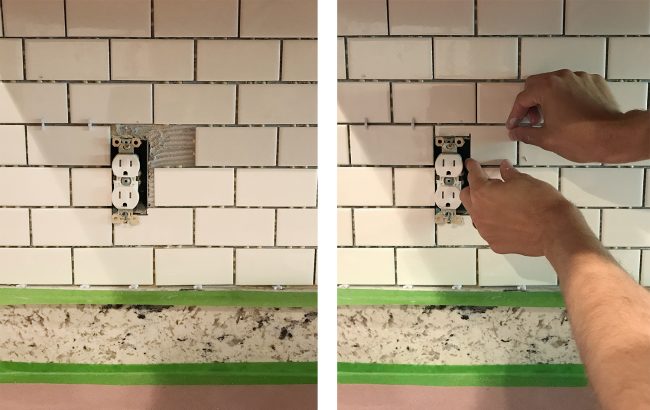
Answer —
566 230
627 138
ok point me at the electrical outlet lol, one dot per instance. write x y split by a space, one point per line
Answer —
125 196
448 197
449 165
451 177
129 168
126 165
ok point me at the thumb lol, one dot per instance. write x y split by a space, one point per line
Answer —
508 172
529 135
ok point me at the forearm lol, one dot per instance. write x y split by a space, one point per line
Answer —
628 139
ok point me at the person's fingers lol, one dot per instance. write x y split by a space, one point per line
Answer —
530 135
466 199
476 176
508 171
525 100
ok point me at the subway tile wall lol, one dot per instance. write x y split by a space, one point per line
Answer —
412 69
242 71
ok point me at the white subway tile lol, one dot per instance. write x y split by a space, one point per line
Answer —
647 188
297 227
195 18
12 139
298 146
276 187
645 269
434 102
344 227
47 186
607 17
210 266
362 17
341 59
161 60
463 234
626 227
11 59
359 266
390 58
108 18
15 226
113 266
630 95
278 18
202 103
233 146
111 103
299 60
391 145
235 227
275 267
71 227
33 103
519 17
365 186
342 146
607 187
533 155
66 59
436 267
358 102
35 266
513 270
475 58
415 186
277 104
539 55
161 226
630 261
549 175
193 186
92 186
592 216
394 227
624 51
490 144
33 18
236 60
431 17
83 146
495 100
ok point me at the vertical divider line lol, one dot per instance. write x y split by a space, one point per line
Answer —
24 58
65 17
388 17
72 264
275 227
2 20
153 265
600 228
390 100
313 280
476 262
67 92
475 28
346 50
234 183
110 59
354 239
277 146
31 234
563 17
281 59
606 73
348 140
153 103
392 173
433 58
395 265
194 226
236 103
519 58
239 18
196 57
152 19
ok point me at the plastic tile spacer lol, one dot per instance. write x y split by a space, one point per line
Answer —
278 287
135 286
197 287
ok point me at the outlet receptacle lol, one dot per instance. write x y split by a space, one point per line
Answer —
125 197
126 165
448 197
449 165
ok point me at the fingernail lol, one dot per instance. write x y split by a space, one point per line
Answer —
508 164
512 122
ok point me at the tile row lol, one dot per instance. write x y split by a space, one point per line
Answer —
135 266
158 103
493 17
158 60
215 146
462 266
159 18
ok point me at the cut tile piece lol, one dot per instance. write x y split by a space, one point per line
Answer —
342 145
235 227
362 17
459 235
415 186
33 18
113 266
275 266
533 155
475 58
626 227
624 50
108 18
344 227
195 18
111 103
389 58
513 270
48 186
66 59
540 55
35 266
92 186
160 60
298 146
210 266
277 104
297 227
549 175
364 186
341 59
630 95
394 227
436 267
238 60
495 100
26 103
161 226
359 266
417 17
299 60
83 146
607 17
645 268
391 145
276 187
71 227
12 139
604 187
519 17
15 226
360 102
490 144
434 102
235 146
278 18
202 103
630 261
193 186
11 59
592 216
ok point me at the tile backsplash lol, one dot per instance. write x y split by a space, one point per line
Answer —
242 72
412 69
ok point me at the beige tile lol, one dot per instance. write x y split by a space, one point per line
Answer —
532 155
278 18
475 58
108 18
110 103
276 187
344 227
624 50
647 188
161 60
48 186
274 266
35 266
645 269
513 270
235 227
630 261
297 227
549 175
359 266
12 139
365 186
607 17
630 95
209 267
539 55
33 18
299 60
113 266
202 103
490 144
235 146
415 186
391 145
238 60
91 186
193 186
83 146
340 58
431 17
71 227
15 226
441 102
356 17
33 103
358 102
66 59
277 104
626 227
592 216
436 267
11 59
195 18
605 187
495 100
394 227
390 58
342 145
519 16
298 146
459 235
161 226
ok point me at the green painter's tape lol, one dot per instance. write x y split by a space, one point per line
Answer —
160 374
534 375
367 297
240 298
